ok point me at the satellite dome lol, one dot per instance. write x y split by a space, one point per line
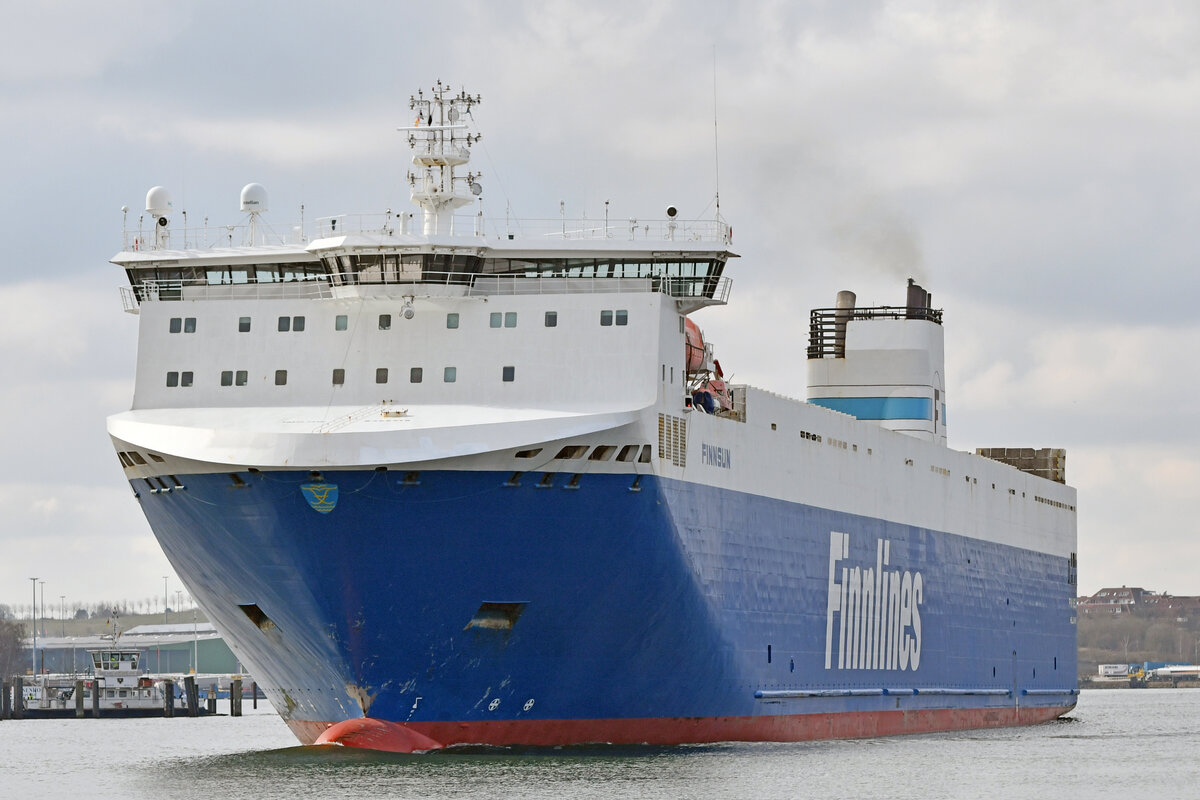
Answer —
254 198
158 202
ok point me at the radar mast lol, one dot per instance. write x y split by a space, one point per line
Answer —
440 142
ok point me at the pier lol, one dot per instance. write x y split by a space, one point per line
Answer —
80 697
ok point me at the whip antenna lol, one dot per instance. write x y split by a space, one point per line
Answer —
716 147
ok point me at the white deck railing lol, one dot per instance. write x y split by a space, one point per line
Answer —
299 235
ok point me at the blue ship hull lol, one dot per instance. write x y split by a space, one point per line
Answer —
462 608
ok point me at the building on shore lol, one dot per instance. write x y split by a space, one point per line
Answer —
182 647
1134 600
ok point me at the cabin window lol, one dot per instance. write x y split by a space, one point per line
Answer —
281 377
189 324
340 322
339 377
450 374
508 374
185 379
285 324
240 378
414 375
452 320
496 319
606 318
385 322
297 323
172 379
622 316
381 375
227 377
176 324
510 319
551 319
243 324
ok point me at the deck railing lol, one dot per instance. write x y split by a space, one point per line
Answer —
827 326
298 235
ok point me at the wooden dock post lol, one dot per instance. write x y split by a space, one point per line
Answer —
254 695
212 699
78 699
235 697
97 690
5 700
193 700
168 698
18 701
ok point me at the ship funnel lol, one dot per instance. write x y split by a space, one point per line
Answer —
841 315
918 301
889 371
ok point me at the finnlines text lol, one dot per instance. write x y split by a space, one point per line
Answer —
874 614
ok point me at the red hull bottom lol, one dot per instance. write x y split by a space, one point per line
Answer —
396 737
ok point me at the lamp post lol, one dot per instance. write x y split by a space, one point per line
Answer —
62 613
42 615
33 619
166 599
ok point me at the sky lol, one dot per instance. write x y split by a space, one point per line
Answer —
1033 165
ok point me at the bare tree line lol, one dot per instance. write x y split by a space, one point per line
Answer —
102 608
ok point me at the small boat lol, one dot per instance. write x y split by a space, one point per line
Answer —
124 690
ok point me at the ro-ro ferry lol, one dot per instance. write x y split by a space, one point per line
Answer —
442 482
